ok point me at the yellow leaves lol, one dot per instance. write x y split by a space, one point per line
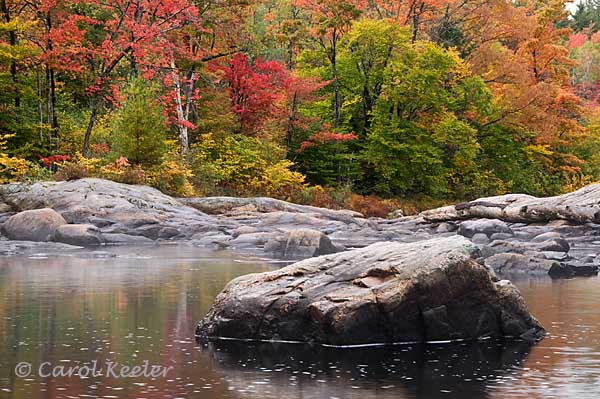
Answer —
243 166
279 181
16 25
538 149
172 177
12 169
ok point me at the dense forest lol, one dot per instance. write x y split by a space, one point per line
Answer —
355 103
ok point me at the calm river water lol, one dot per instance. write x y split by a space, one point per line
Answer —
58 312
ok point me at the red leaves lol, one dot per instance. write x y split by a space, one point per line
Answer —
125 30
254 89
326 137
266 91
54 159
577 40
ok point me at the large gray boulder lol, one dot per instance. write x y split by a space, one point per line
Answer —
113 207
121 211
222 205
387 292
514 263
33 225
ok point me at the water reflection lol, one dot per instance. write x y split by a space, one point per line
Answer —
129 305
141 304
406 371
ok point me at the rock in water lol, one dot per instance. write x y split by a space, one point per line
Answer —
79 234
301 243
33 225
387 292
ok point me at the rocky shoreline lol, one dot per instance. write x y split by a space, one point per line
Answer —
516 234
430 277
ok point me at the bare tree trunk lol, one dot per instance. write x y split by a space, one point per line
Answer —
290 126
181 127
54 111
90 127
48 106
336 99
40 109
336 83
417 22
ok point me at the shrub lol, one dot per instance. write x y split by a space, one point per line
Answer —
279 181
369 206
239 165
333 198
123 172
78 167
53 160
172 177
13 169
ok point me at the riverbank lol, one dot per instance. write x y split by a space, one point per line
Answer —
515 233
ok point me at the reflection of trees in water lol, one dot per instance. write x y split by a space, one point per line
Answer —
411 371
125 309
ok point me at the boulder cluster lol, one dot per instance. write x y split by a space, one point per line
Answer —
427 277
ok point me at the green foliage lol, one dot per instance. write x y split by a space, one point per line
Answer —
589 149
138 127
363 59
420 140
586 14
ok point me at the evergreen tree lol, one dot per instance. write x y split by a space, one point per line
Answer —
139 130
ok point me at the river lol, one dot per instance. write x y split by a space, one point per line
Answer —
138 306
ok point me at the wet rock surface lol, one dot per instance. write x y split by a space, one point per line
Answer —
388 292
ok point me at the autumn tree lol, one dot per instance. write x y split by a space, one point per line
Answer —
254 88
96 39
330 19
422 138
213 33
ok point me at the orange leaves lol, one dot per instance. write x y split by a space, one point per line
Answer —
524 58
330 16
